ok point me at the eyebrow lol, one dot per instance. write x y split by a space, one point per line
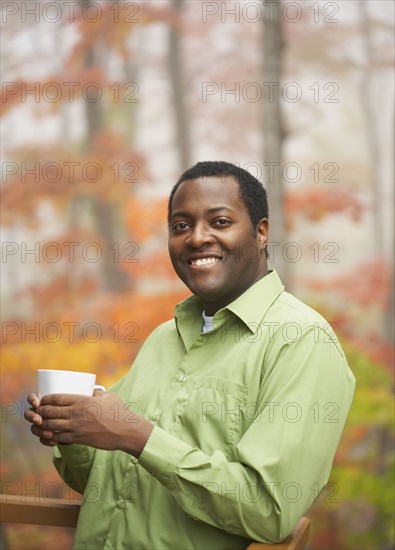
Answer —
210 211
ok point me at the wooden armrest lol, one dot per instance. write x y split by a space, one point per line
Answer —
38 511
62 513
297 540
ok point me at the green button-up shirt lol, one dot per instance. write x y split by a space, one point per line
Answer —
247 421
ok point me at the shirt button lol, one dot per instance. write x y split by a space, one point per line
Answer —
182 378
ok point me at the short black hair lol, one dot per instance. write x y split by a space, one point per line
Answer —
251 190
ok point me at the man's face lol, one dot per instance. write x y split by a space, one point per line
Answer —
212 243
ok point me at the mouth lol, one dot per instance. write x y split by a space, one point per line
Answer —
204 262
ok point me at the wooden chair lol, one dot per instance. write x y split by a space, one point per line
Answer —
62 513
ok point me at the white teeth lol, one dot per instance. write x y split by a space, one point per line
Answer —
204 261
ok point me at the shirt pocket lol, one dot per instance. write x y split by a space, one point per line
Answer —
209 414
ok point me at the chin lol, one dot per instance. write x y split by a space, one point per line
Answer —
207 290
207 296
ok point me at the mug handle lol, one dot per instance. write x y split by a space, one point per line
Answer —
98 387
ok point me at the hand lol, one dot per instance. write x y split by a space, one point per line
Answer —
32 416
103 421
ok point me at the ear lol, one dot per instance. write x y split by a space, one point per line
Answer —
262 230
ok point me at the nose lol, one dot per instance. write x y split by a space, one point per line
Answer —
200 235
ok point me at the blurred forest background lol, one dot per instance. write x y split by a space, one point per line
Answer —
104 104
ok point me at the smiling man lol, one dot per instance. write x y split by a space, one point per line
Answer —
225 429
210 233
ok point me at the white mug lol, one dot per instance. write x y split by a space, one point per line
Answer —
66 381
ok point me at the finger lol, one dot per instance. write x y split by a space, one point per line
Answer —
33 417
62 399
55 425
42 434
63 438
47 443
33 400
52 411
99 393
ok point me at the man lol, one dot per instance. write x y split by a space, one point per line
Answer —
227 424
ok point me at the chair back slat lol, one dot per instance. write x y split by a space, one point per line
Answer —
62 513
38 511
296 541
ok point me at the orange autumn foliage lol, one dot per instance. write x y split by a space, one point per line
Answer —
314 203
371 286
146 218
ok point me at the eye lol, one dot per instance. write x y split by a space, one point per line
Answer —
179 226
222 222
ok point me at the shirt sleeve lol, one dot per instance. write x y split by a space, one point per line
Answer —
284 457
73 463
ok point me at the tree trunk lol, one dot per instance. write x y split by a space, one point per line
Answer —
177 84
113 278
368 106
379 176
273 134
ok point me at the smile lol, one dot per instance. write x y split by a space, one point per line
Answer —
204 261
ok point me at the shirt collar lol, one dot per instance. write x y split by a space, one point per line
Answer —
250 307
